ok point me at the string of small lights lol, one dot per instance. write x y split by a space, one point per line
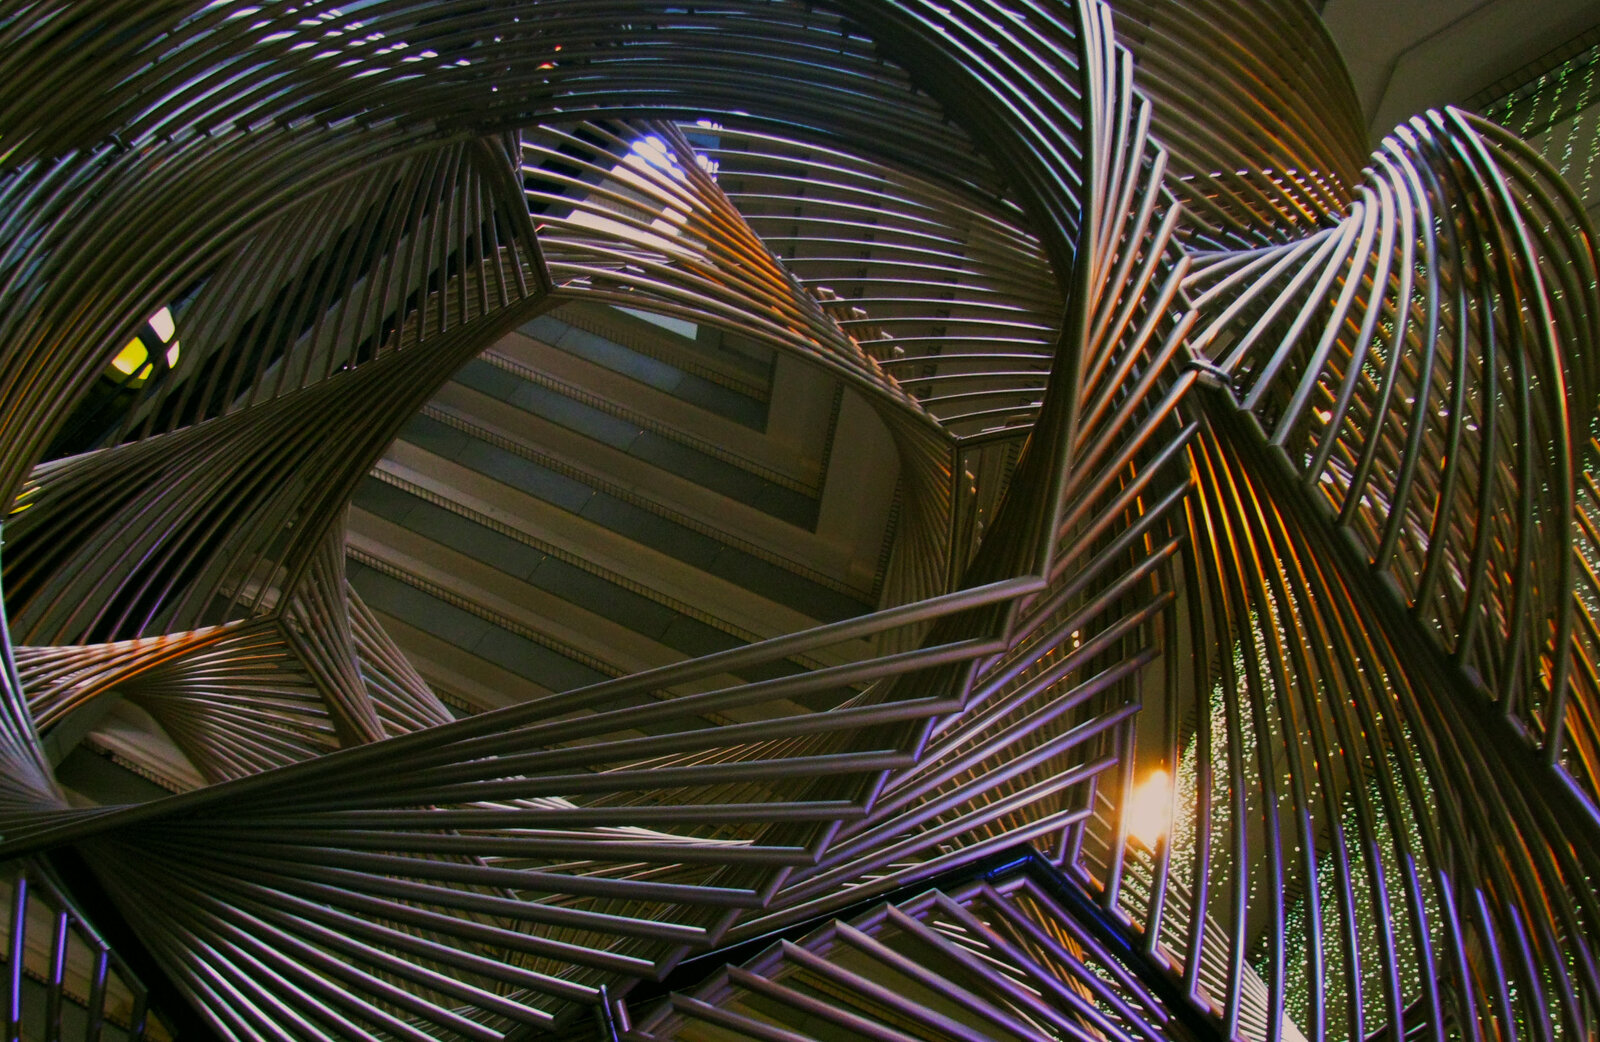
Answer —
1558 113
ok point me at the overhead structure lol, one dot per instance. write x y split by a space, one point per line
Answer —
1279 659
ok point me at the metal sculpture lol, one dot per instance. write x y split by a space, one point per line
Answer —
1304 518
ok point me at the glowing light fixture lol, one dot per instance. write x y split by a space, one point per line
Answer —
133 364
133 360
1149 812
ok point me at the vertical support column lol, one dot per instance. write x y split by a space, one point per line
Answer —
19 922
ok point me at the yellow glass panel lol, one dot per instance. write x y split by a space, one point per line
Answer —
130 358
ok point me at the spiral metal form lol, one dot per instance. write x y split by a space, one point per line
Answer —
1306 515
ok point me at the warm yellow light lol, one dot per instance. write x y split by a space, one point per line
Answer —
1149 812
135 362
131 358
24 499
